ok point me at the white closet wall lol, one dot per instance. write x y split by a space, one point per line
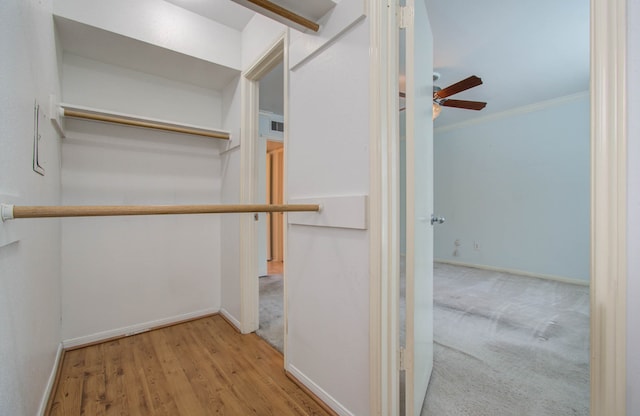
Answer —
230 194
100 85
30 249
125 274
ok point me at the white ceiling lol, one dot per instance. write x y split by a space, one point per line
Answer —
525 51
225 12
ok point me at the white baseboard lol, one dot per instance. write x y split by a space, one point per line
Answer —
134 329
318 391
232 320
48 391
562 279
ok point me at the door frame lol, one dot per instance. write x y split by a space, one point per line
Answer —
249 175
608 255
384 209
608 206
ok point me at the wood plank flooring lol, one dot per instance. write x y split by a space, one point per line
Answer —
275 267
202 367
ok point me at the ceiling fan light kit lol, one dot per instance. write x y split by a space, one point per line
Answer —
436 110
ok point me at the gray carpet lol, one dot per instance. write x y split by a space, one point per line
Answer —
271 311
508 345
505 344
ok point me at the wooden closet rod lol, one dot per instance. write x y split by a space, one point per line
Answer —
142 123
287 14
8 212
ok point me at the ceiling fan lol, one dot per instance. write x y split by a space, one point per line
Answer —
440 95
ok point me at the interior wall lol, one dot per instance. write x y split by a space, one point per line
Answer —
633 224
92 83
327 296
518 186
29 249
128 273
230 194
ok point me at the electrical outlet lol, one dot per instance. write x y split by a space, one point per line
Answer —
457 242
476 246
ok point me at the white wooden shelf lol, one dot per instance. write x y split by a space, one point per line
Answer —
88 113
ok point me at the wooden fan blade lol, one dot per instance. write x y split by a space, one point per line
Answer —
465 84
467 105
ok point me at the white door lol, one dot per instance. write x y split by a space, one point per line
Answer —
419 203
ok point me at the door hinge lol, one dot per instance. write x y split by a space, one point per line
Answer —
401 359
405 16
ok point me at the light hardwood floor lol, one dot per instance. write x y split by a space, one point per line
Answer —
275 267
202 367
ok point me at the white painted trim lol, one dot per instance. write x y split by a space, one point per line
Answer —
48 391
377 354
232 319
530 108
318 391
248 190
384 205
135 329
608 206
571 280
285 191
249 286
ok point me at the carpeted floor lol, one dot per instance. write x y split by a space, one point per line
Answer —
508 345
272 311
505 344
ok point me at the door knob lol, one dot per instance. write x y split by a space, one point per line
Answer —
437 220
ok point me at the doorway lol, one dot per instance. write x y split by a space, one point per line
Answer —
496 302
271 284
271 191
263 121
551 327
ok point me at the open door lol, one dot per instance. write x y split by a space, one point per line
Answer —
419 205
